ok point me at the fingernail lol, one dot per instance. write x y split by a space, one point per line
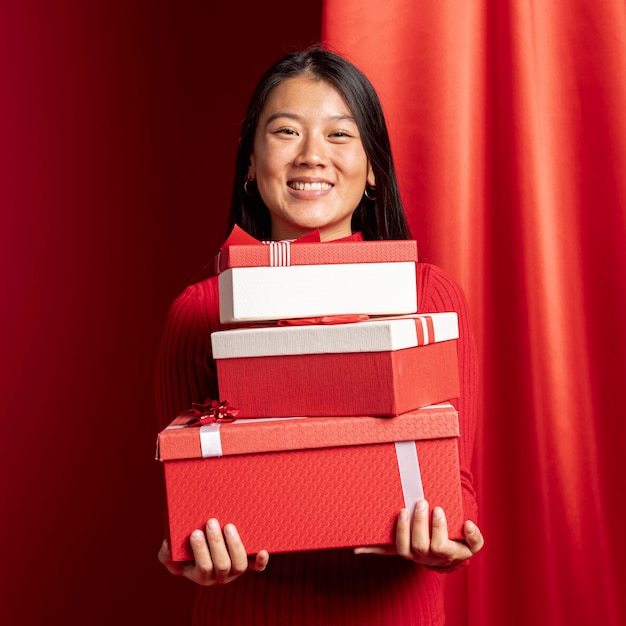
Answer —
196 535
404 515
214 526
229 530
471 528
420 505
438 513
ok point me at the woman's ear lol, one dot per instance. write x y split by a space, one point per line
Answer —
251 169
371 179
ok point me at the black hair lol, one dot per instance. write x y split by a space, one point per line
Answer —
382 218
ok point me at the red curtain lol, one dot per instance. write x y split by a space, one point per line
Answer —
508 124
119 124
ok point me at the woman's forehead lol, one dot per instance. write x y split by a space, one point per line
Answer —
306 93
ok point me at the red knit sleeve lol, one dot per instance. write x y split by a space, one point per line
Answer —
185 370
438 292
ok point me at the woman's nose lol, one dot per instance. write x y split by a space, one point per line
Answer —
312 151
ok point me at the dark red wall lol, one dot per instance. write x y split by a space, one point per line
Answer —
118 128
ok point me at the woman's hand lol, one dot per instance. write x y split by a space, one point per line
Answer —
430 546
219 557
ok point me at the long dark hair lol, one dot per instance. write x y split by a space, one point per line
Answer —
382 218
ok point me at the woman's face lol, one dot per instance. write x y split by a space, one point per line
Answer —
308 160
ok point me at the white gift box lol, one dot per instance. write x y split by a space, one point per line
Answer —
251 294
274 280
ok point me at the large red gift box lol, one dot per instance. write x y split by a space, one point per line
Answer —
313 482
376 367
284 280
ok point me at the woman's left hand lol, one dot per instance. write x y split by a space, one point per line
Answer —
429 544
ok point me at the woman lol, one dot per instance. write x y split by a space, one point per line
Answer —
315 154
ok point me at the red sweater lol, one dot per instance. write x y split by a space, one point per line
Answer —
324 587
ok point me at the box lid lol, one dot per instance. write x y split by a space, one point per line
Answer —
243 250
377 334
274 434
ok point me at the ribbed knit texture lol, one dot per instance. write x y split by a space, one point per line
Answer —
321 588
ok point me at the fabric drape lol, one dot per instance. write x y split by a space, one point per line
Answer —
508 125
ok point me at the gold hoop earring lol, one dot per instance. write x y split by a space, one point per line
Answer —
372 190
247 190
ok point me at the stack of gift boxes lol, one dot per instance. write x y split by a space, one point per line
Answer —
333 411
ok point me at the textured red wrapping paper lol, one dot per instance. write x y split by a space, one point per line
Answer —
243 250
359 383
309 483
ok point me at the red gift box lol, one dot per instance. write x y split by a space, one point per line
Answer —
282 280
378 367
310 483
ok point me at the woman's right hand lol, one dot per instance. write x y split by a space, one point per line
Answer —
219 557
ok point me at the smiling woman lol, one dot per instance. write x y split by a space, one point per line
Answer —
328 119
309 160
314 154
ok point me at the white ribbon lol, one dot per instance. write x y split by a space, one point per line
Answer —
210 440
410 476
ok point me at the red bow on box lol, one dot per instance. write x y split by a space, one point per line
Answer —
239 237
210 412
325 320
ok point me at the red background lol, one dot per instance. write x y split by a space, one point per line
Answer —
507 120
118 128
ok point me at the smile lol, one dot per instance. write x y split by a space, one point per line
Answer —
309 186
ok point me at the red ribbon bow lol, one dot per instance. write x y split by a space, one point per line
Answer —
210 412
325 320
239 237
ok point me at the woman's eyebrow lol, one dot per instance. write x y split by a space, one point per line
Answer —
293 116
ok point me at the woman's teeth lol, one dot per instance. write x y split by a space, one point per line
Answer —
310 186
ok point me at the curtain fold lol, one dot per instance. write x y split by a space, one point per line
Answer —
508 125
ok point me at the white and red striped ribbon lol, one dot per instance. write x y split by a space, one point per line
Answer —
280 253
425 330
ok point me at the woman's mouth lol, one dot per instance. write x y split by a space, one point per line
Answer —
298 186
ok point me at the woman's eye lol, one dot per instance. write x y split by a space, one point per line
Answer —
285 131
